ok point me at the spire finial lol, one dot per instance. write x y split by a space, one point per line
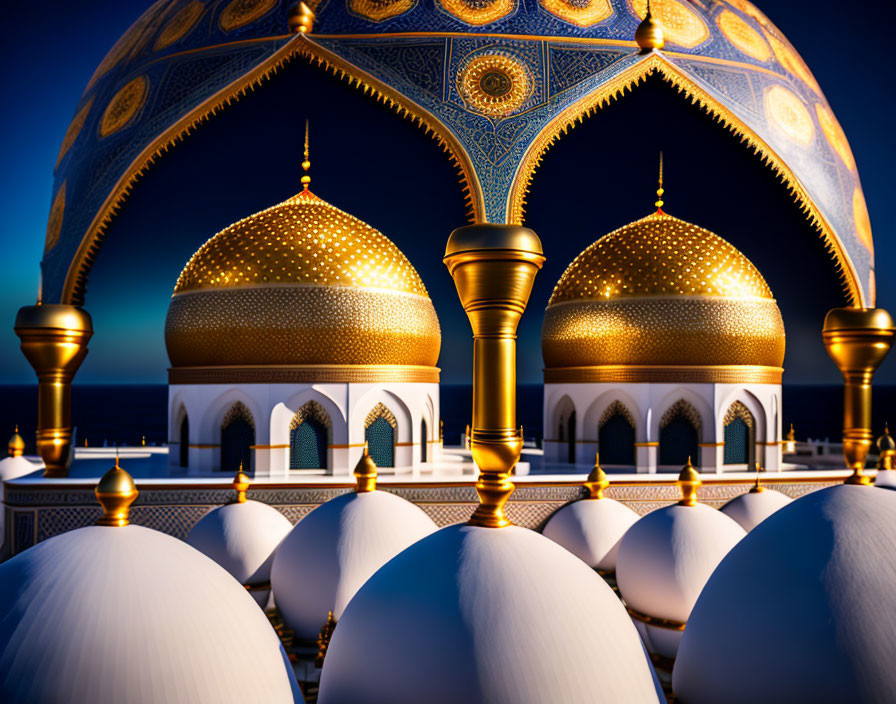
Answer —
757 487
116 492
649 34
689 481
365 472
16 444
241 485
597 480
659 188
306 164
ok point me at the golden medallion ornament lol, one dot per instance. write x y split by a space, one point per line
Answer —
239 13
124 105
74 129
478 12
681 25
861 219
180 25
379 10
495 84
786 111
582 13
743 36
54 222
833 132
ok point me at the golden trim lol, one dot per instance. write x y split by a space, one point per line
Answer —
269 447
710 444
666 623
299 45
305 373
647 444
204 446
645 374
345 447
614 89
258 586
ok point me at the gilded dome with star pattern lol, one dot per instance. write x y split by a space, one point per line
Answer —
663 294
301 283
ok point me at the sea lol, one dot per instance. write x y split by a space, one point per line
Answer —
131 415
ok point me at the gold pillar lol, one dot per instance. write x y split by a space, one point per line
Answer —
857 339
54 340
494 267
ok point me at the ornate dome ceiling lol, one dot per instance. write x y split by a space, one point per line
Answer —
662 300
301 283
496 81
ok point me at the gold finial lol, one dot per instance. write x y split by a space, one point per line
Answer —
858 340
659 188
116 492
306 164
323 640
16 445
597 480
241 485
689 482
365 472
649 34
300 18
886 449
143 440
757 487
790 435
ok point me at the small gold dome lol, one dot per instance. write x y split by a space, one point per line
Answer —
301 283
649 34
662 292
16 444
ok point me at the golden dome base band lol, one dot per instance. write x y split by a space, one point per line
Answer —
656 374
305 374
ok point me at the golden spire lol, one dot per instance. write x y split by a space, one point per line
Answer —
306 164
597 480
300 18
886 449
790 436
649 34
116 492
16 445
241 485
365 472
757 487
659 188
689 482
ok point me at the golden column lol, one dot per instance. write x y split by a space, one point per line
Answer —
857 339
494 267
54 340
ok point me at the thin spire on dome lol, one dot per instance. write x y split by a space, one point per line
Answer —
365 472
116 492
689 481
659 189
306 163
16 444
597 480
757 487
241 485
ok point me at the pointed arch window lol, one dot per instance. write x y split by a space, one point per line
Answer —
237 438
740 434
679 435
616 435
309 434
380 430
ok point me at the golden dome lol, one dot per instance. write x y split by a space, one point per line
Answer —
301 283
662 299
16 445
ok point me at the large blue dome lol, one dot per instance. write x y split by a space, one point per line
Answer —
497 81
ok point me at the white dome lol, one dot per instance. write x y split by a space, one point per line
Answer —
665 559
886 479
333 550
497 615
591 530
752 508
15 467
108 614
242 538
802 610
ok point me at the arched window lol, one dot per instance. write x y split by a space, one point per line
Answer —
740 431
616 435
237 439
184 445
565 414
309 433
679 435
379 431
571 438
424 440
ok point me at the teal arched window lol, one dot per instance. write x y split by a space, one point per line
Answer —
380 430
739 434
309 434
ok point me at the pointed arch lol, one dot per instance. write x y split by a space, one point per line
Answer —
380 430
237 438
740 435
616 435
310 432
680 428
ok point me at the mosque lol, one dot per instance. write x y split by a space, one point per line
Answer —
314 536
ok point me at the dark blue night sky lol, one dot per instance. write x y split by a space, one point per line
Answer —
380 168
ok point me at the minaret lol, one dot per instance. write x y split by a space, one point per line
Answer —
494 267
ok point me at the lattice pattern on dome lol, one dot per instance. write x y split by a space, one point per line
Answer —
303 240
660 255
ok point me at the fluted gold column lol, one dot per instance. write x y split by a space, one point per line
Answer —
857 339
494 267
54 340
